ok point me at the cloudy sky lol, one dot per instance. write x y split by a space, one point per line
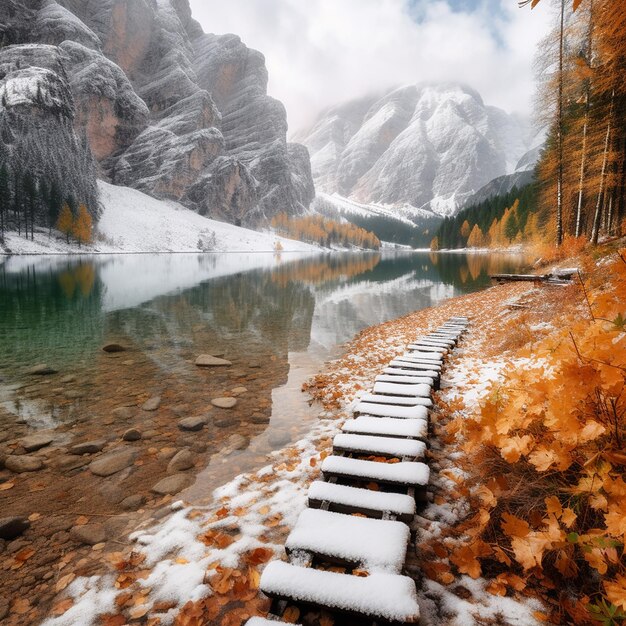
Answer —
323 52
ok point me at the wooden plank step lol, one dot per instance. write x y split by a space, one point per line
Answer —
386 427
450 337
389 410
371 544
379 446
416 362
399 400
388 597
416 390
403 371
413 368
405 473
421 347
346 499
425 356
407 380
454 335
437 343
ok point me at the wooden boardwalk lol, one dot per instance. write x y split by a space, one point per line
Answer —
347 551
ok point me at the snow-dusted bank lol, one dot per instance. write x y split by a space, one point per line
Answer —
133 221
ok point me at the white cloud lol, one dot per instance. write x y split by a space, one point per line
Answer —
323 52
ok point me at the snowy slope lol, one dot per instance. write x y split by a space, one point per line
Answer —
132 221
428 146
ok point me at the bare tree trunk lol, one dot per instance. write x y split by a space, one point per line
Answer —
596 218
559 182
581 182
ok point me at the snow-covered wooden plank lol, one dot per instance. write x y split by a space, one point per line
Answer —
454 335
399 400
401 371
386 427
263 621
408 380
379 446
423 347
416 369
402 389
451 338
425 355
417 363
372 544
437 343
389 410
405 473
356 500
389 597
459 318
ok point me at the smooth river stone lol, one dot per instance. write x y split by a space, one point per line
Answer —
152 404
88 447
224 403
41 370
91 534
114 347
181 461
19 464
113 462
36 441
207 360
12 527
172 484
192 423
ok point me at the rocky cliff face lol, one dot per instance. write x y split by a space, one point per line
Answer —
166 108
424 145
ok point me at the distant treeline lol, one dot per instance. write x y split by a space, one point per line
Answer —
386 228
327 232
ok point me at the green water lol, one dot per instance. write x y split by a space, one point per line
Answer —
61 310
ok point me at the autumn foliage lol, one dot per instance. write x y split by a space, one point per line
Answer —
324 231
548 453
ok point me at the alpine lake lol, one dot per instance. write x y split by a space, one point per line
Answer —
65 402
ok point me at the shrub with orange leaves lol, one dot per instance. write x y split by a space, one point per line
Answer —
548 451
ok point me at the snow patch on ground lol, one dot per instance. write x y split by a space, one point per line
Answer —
133 221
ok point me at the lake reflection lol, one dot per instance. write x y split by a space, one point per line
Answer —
276 318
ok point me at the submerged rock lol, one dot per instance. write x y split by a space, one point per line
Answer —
224 403
113 462
172 484
181 461
192 423
34 442
208 360
41 370
113 347
152 404
22 463
90 534
88 447
12 527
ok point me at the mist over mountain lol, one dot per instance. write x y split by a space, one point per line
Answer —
429 146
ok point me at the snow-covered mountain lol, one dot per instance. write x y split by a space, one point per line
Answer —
164 107
428 145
